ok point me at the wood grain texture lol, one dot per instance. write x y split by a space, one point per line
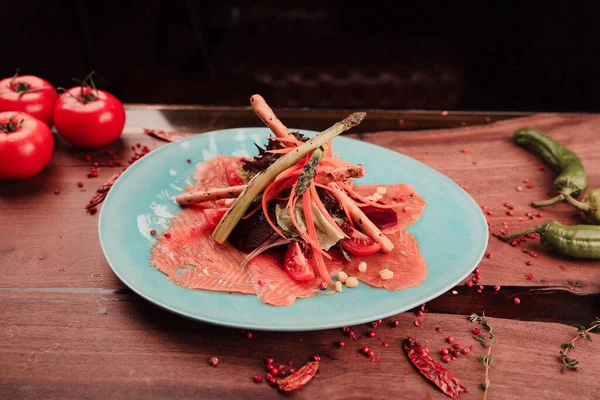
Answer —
71 330
81 346
501 167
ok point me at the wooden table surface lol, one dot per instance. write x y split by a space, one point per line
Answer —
70 329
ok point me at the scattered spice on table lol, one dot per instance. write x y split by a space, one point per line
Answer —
101 192
487 342
299 378
433 371
529 276
168 136
572 364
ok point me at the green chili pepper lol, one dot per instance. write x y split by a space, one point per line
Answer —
572 179
579 241
589 206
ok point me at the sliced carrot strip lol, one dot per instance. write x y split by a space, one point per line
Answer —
341 200
366 202
328 161
285 150
291 207
266 211
321 207
251 213
290 172
368 227
312 232
271 194
285 140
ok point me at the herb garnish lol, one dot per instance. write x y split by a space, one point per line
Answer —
486 360
584 332
264 159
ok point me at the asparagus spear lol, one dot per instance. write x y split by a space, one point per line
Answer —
309 172
260 181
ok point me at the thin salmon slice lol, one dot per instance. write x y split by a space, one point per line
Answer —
192 259
410 204
212 174
274 286
405 261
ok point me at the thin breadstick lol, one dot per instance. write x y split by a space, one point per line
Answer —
195 194
266 114
200 196
349 171
362 220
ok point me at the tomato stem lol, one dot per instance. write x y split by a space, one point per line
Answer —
14 78
87 90
11 126
20 87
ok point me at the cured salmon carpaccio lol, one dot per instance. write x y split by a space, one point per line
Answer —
405 261
410 204
189 257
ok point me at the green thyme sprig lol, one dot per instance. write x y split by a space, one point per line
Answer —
572 364
486 340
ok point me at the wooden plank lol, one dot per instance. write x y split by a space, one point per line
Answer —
57 346
56 227
500 168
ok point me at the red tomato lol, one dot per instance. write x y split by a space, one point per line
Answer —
233 175
89 118
214 215
359 243
26 145
29 94
296 265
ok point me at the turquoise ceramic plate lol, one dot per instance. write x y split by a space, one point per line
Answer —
452 234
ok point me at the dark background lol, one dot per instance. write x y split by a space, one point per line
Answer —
514 56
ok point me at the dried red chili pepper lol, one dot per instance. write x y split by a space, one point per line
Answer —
168 136
433 371
102 191
299 378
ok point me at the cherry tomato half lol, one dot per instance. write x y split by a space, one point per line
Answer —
29 94
26 145
234 178
359 244
296 265
89 118
214 215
